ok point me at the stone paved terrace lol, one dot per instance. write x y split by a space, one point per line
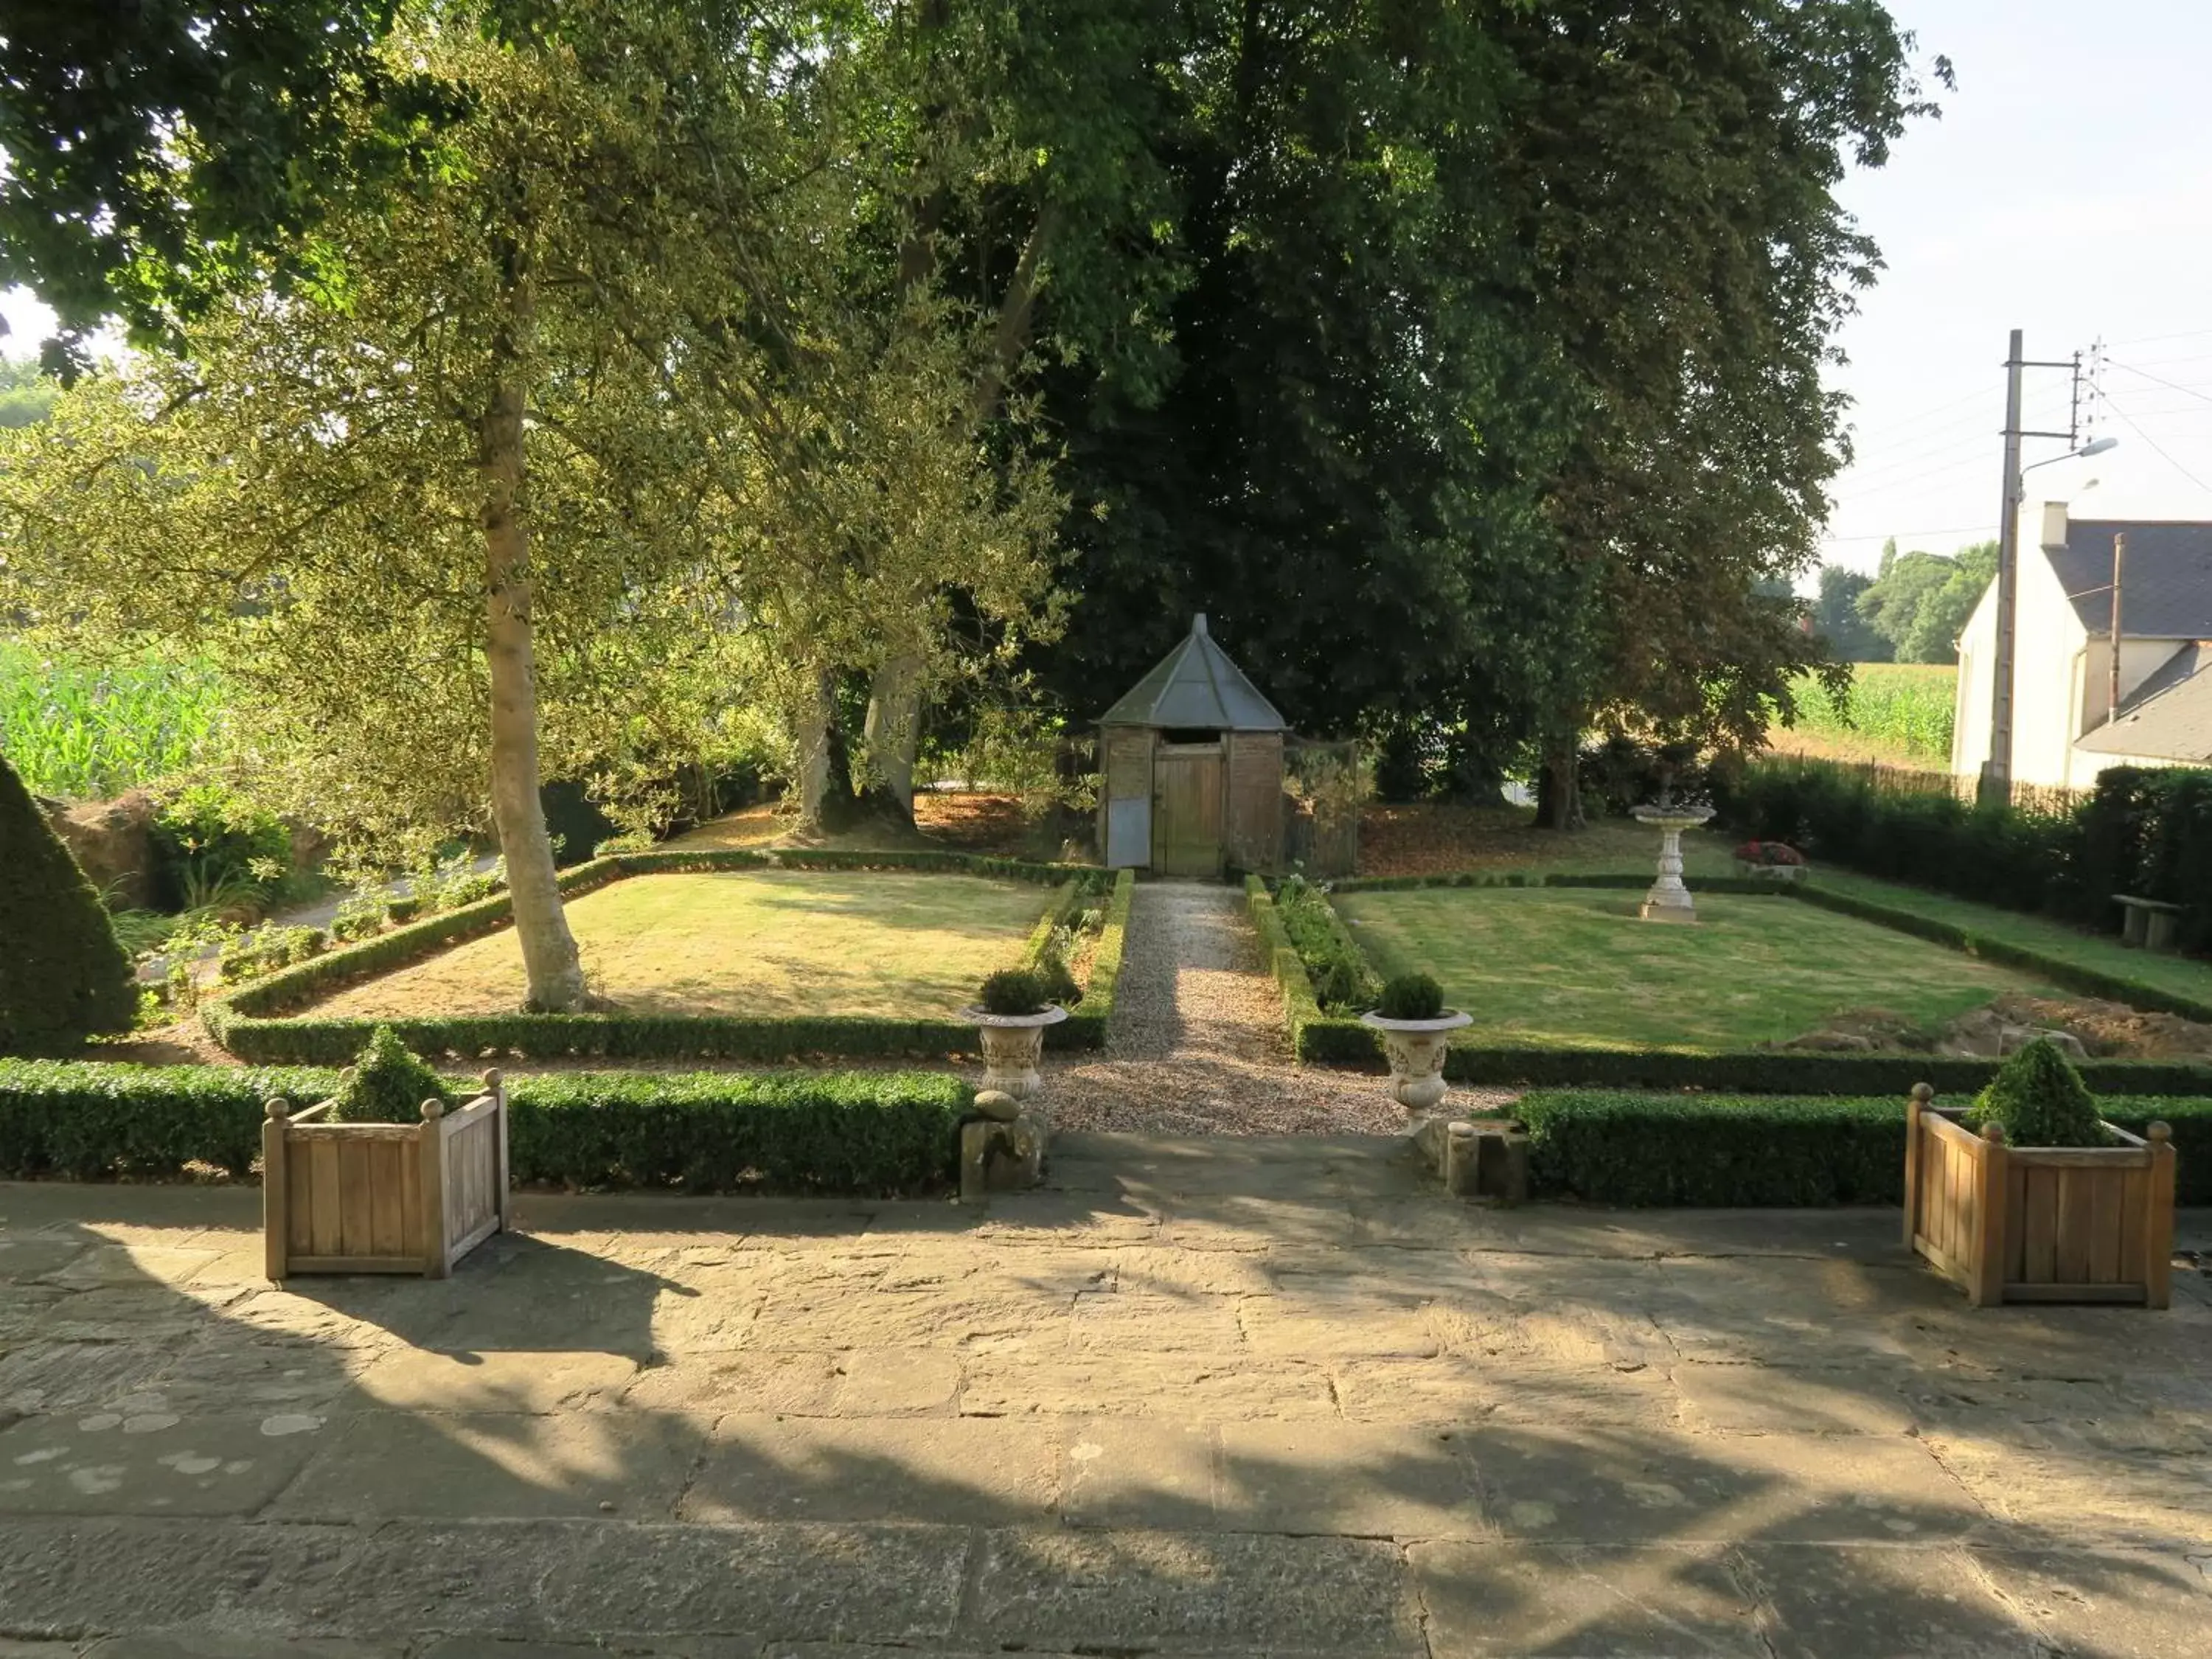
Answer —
1206 1397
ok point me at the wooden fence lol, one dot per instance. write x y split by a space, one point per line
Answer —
2039 1223
383 1198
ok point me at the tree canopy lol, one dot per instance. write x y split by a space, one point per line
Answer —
553 374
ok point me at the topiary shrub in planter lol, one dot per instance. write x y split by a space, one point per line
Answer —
2039 1099
1011 1010
1416 1031
2048 1202
387 1083
381 1178
63 977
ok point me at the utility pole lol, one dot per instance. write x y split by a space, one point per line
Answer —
1996 771
2119 560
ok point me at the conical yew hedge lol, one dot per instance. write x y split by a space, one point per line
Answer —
62 977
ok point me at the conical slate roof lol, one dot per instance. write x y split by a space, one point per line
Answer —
1196 688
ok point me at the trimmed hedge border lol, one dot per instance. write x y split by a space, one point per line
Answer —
1085 1028
847 1132
1321 1039
1301 1008
1516 879
249 1022
1769 1151
2090 982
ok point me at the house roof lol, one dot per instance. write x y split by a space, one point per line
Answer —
2169 717
1195 687
2166 587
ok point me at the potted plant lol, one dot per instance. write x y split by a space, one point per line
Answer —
382 1177
1011 1009
1416 1030
2028 1195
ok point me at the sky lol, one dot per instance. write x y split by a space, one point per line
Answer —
2066 191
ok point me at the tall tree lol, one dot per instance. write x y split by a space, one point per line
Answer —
1009 177
414 490
1836 618
1674 170
1341 460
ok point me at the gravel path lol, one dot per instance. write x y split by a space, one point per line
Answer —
1197 1045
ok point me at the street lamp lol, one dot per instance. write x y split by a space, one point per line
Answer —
2094 446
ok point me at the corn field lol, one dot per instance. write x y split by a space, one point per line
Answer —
85 730
1900 711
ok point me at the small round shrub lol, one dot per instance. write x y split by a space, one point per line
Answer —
2039 1099
1410 996
1013 991
387 1083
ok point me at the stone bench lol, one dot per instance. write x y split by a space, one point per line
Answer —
2149 924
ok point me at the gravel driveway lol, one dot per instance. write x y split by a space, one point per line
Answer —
1197 1045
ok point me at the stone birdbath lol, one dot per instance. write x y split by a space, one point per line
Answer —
1012 1045
1669 900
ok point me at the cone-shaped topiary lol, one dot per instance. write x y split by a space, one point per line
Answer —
387 1084
62 977
2039 1100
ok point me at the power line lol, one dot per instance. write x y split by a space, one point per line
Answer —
1902 535
2152 339
2170 385
2154 444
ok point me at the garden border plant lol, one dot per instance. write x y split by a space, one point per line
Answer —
1610 1146
254 1022
873 1133
1318 1037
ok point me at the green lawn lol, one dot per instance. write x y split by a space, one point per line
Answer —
763 943
2182 976
1576 968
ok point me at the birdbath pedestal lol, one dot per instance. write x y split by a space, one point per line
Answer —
1669 900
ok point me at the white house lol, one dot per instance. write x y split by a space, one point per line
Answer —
2064 728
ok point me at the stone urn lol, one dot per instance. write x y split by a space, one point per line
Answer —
1012 1044
1416 1050
1669 900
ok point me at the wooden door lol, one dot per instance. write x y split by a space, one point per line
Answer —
1186 809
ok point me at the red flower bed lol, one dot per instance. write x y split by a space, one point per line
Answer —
1769 852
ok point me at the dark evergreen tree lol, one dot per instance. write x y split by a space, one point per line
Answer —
62 977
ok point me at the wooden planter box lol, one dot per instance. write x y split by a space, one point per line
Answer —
383 1198
2039 1223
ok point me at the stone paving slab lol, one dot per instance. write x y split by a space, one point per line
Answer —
506 1465
1518 1600
962 1471
1274 1402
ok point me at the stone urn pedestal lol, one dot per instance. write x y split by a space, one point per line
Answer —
1669 900
1416 1052
1012 1044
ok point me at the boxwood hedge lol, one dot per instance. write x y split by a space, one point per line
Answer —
1766 1151
856 1131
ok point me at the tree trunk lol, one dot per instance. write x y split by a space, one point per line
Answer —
549 950
893 731
1559 796
826 801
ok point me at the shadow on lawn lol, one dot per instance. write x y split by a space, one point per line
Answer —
1368 1420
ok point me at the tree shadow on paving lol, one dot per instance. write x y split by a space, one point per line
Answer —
1544 1506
